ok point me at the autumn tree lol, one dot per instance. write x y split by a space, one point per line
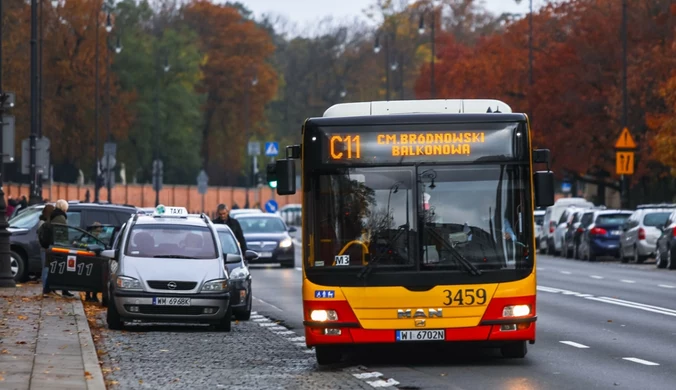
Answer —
238 81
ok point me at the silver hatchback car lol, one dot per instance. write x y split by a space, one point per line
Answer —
168 267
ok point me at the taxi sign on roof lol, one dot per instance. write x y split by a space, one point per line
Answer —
162 210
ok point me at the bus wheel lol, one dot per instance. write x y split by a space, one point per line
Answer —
327 354
515 350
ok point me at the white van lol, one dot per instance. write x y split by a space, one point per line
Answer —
552 220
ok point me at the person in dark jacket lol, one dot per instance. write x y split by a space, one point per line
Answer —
59 217
224 218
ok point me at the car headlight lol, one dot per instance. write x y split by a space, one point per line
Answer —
238 273
285 243
215 285
516 311
127 283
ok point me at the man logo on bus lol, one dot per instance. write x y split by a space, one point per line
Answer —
419 313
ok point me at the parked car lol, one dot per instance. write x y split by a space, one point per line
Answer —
602 236
24 245
665 251
639 235
562 227
552 217
291 214
241 294
571 237
236 212
539 217
268 235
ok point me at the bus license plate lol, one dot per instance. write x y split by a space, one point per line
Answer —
420 335
171 301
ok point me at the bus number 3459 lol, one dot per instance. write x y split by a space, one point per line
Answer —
465 297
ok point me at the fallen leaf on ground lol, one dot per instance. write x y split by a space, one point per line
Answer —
106 370
21 342
88 375
22 318
2 378
4 352
25 299
113 382
140 381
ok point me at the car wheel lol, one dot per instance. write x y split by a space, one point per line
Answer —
550 248
18 267
638 259
659 261
225 324
113 317
623 256
244 315
328 354
591 256
288 264
515 350
671 262
576 251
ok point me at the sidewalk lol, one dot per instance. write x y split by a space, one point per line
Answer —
45 343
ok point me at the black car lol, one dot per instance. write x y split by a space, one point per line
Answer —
24 245
268 235
237 265
666 244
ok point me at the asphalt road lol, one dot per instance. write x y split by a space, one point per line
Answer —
602 325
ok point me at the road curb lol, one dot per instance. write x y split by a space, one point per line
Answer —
89 356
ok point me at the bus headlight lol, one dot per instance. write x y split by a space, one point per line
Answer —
516 311
285 243
323 315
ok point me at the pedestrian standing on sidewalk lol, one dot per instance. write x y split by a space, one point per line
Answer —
59 217
44 217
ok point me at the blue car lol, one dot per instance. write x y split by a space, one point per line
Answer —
601 237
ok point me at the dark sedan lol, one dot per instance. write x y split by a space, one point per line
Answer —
268 235
666 244
241 294
602 236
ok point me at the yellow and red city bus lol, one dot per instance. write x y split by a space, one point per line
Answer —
418 224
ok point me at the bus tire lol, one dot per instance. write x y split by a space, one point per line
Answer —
327 354
516 350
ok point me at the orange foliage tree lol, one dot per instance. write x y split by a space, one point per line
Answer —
575 102
237 80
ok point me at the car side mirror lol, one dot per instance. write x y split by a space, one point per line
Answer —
292 229
109 253
230 258
250 255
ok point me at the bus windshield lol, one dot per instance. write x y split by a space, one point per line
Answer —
423 218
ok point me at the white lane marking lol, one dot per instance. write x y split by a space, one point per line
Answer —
261 319
666 286
641 361
596 277
269 304
627 281
612 301
382 383
574 344
276 328
298 269
300 338
284 332
267 324
254 316
367 375
541 268
302 345
565 272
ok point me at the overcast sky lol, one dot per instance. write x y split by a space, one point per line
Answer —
308 12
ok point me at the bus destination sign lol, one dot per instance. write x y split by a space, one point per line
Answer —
416 146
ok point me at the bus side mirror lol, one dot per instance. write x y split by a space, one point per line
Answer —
286 176
544 188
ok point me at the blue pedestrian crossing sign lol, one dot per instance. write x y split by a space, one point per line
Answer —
271 206
271 149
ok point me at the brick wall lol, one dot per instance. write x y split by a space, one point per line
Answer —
144 196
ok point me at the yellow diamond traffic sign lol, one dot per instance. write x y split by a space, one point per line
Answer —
625 141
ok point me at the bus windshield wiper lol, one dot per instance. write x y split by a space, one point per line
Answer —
367 268
466 264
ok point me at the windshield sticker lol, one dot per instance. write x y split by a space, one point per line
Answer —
319 263
325 294
343 260
71 263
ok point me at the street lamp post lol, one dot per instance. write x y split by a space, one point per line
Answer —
624 192
96 109
421 30
6 278
376 49
118 49
251 172
157 170
34 100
